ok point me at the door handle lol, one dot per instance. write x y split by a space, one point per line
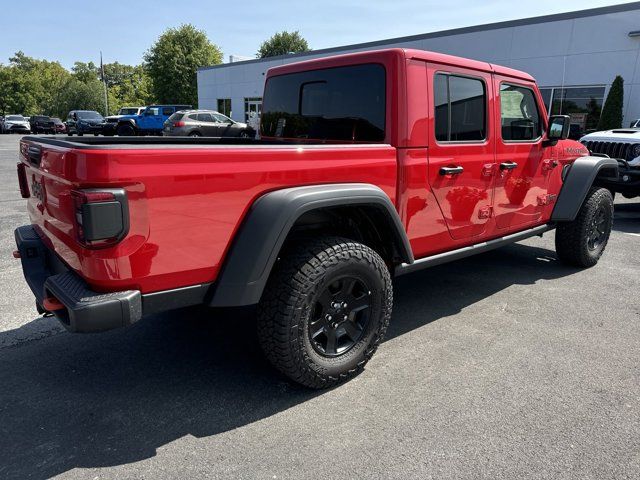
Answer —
451 170
508 165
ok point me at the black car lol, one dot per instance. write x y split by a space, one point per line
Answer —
84 121
41 124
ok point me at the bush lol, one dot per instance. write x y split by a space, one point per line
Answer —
611 116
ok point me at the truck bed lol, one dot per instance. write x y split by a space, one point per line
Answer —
186 197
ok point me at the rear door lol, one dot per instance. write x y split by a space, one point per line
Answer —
524 162
462 148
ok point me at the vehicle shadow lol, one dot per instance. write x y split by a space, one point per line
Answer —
627 217
85 401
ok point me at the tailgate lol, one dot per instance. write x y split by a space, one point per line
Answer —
49 203
55 181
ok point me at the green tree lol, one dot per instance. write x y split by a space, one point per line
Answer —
86 72
172 63
127 86
76 95
611 116
283 43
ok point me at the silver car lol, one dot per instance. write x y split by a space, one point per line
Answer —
205 123
15 124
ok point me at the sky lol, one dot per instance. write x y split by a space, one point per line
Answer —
69 31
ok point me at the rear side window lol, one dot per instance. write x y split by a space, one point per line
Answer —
205 117
342 103
519 115
167 110
193 116
460 108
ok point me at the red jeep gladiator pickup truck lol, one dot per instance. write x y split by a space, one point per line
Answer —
369 165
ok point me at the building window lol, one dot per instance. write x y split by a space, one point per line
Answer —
582 104
546 97
224 106
252 104
460 108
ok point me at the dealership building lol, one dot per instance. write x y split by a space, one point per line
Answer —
574 57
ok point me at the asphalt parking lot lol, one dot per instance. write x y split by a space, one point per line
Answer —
506 365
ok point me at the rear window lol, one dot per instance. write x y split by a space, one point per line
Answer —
176 116
342 103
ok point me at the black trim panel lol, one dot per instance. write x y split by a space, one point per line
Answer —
267 224
577 183
463 252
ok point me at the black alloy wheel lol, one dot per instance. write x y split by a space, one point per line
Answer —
340 316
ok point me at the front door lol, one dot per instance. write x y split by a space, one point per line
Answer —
252 105
462 148
523 161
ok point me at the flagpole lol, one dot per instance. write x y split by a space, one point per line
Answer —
104 81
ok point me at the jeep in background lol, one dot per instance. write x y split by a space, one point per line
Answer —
369 165
149 122
112 120
84 121
622 144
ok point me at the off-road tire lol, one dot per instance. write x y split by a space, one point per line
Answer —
572 238
125 131
304 271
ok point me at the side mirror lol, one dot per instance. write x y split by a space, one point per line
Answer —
558 127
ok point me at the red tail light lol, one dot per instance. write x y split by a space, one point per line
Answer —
101 216
179 124
22 180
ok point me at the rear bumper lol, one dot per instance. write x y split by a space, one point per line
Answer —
84 309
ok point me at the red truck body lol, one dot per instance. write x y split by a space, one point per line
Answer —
186 203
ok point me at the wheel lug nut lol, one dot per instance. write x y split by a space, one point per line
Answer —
344 304
345 317
328 317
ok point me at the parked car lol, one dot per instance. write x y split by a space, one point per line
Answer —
149 122
112 120
369 165
41 124
205 123
15 124
59 125
84 121
623 144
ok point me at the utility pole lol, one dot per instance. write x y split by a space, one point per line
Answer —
104 82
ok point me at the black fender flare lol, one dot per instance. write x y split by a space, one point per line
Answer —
258 241
128 121
579 179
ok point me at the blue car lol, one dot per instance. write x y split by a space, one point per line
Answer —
149 122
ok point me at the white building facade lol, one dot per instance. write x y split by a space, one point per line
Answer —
574 57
